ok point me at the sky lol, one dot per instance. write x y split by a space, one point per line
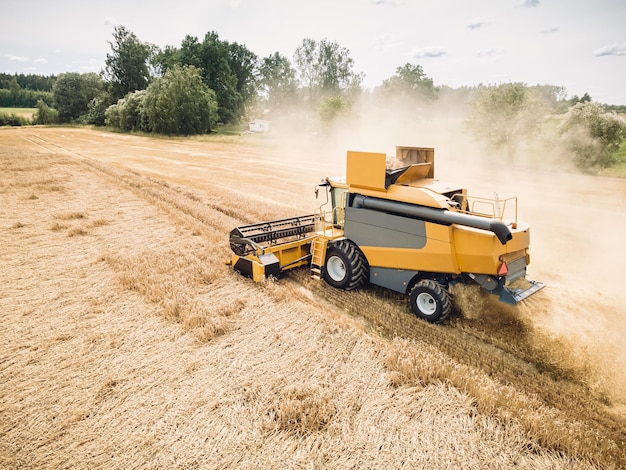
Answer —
580 45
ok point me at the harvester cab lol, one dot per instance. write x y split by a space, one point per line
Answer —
391 223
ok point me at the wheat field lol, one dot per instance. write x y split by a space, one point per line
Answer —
126 342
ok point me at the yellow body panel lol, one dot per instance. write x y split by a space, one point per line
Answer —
452 249
366 170
416 171
479 251
411 195
290 254
258 272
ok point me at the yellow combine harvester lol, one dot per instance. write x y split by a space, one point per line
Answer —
400 229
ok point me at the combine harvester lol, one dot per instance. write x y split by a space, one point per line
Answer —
400 229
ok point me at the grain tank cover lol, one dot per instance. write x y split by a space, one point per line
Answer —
366 170
408 174
417 156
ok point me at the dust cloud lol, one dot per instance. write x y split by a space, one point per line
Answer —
577 225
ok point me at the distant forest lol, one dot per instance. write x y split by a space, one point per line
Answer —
23 91
27 82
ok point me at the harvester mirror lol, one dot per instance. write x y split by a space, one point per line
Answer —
325 184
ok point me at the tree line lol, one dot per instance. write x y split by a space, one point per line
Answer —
321 79
23 91
27 82
507 115
192 88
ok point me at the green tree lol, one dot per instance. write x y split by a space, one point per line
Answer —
190 53
593 135
331 108
305 59
127 66
15 88
213 58
23 98
336 69
179 103
278 81
45 114
131 115
165 59
244 66
112 116
410 82
126 114
583 99
28 82
504 115
72 92
326 69
12 119
230 70
16 92
96 110
218 76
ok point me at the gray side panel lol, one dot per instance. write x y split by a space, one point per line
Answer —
394 279
373 228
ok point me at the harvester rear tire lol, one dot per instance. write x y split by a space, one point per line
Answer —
345 267
430 301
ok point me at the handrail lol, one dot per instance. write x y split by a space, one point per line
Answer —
494 208
324 223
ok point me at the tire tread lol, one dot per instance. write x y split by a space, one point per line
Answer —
442 293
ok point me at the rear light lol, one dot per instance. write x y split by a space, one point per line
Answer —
504 269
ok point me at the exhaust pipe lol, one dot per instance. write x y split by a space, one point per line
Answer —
430 214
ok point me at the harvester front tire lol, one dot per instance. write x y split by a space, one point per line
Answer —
345 266
430 301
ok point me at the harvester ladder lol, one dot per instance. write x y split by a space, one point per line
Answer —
318 249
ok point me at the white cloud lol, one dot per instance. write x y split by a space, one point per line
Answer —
612 49
385 42
478 23
391 3
40 61
429 52
109 21
550 30
529 3
16 58
491 52
91 65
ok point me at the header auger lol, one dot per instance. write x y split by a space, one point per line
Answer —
400 229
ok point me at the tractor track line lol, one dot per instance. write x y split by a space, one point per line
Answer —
140 182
